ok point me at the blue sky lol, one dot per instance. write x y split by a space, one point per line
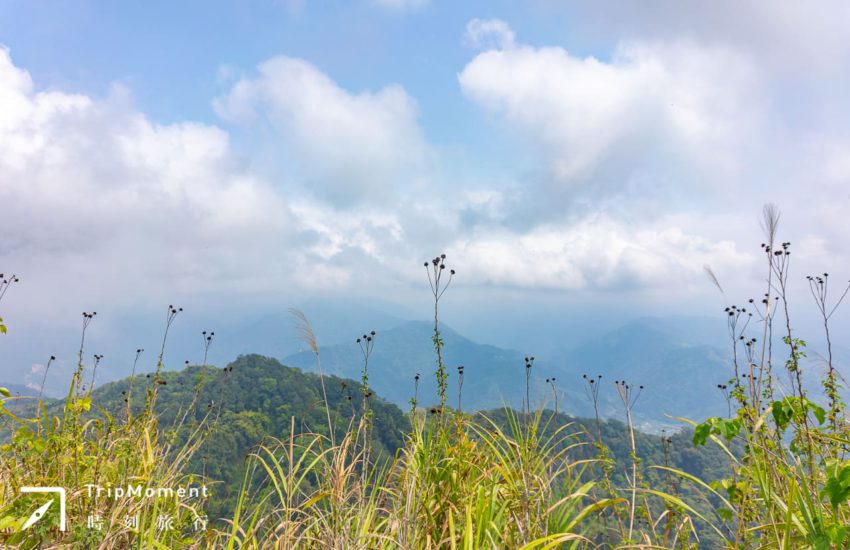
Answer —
175 57
570 157
183 47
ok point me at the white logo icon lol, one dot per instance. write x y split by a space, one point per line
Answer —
42 510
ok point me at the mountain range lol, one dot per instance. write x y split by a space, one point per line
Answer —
679 376
678 360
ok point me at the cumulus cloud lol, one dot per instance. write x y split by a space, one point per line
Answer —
105 208
345 145
687 130
100 200
651 107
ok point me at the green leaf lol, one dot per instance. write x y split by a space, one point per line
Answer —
730 428
727 427
818 411
837 534
822 542
701 433
781 413
7 522
837 487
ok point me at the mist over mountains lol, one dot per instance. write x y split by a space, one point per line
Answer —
663 355
678 360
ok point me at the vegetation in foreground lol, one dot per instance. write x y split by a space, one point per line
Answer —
512 479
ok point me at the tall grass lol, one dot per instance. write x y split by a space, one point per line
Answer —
791 485
78 446
463 483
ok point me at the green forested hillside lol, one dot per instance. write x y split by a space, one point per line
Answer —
254 398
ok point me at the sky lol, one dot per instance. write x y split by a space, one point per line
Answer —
578 162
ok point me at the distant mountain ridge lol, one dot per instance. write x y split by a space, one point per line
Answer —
679 376
493 377
679 361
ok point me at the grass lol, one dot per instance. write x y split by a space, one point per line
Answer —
507 480
68 446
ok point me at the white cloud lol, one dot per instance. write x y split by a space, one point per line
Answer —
114 208
594 253
104 208
652 107
684 138
489 34
344 145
